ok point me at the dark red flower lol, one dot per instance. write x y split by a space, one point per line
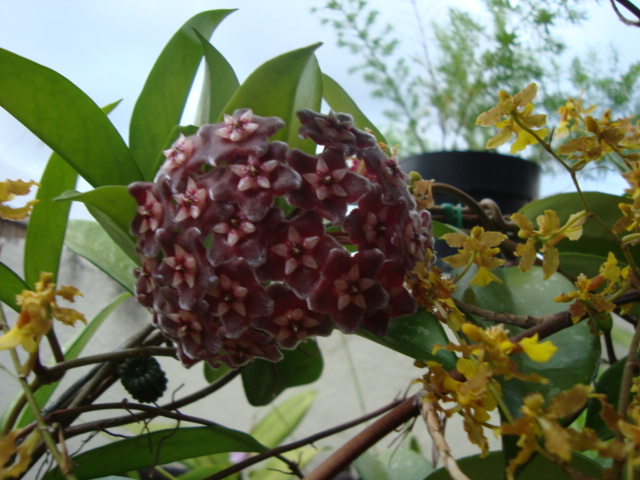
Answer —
391 277
185 266
253 182
348 287
235 236
194 330
297 251
240 134
291 321
375 224
417 238
328 184
334 131
238 298
240 351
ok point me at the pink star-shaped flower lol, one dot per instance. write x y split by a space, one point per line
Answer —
238 128
328 185
348 288
297 252
238 298
292 321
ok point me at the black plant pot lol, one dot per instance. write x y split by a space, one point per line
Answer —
510 181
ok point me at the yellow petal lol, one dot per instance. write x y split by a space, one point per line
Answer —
455 240
538 352
550 261
502 137
490 117
525 96
484 277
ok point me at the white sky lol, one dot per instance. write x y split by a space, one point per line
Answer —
108 47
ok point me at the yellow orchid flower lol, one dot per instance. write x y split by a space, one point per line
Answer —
479 248
38 308
514 107
9 189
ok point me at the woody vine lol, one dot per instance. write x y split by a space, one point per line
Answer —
247 241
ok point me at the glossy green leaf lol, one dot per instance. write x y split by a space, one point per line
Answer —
89 240
279 88
11 284
405 464
308 96
594 240
573 264
213 374
439 229
72 350
48 221
161 103
578 352
416 336
263 380
161 447
492 467
220 83
66 119
340 101
369 467
609 383
114 209
280 422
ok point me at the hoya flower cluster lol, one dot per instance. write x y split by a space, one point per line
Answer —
249 247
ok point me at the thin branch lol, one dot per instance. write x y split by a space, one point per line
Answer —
154 411
238 467
467 199
355 447
632 8
112 357
523 321
125 419
431 420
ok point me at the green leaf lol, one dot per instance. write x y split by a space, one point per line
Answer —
48 221
405 464
263 380
89 240
67 120
11 284
161 103
211 374
609 383
280 87
491 468
161 447
594 240
578 352
416 336
340 101
573 264
72 350
370 468
114 209
220 83
278 424
439 229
